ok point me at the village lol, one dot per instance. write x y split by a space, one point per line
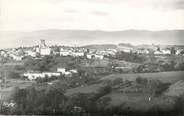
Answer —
125 71
38 51
41 50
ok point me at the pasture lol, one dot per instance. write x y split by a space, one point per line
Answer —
168 77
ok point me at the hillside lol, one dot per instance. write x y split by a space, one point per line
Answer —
169 77
100 46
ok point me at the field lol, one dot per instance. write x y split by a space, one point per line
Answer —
169 77
86 89
7 88
139 101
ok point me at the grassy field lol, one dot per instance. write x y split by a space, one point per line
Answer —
138 101
7 88
85 89
170 77
135 101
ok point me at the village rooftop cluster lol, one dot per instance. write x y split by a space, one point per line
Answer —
38 51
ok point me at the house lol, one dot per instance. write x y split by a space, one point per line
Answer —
73 71
142 51
9 104
158 52
68 74
77 54
50 74
45 51
89 56
15 57
166 51
35 75
2 52
61 70
179 51
96 56
65 52
31 53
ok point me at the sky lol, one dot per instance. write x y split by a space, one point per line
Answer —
109 15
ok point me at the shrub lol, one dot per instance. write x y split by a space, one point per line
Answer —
142 81
13 75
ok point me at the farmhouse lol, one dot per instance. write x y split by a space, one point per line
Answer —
64 53
16 57
35 75
166 51
97 56
158 52
61 70
77 54
67 73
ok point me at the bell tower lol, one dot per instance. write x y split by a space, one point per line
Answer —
42 43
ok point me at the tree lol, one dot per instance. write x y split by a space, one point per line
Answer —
173 51
142 81
13 75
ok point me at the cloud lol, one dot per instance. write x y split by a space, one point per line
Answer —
53 1
92 14
99 13
179 4
70 10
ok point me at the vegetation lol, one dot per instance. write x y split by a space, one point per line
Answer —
130 57
44 98
51 99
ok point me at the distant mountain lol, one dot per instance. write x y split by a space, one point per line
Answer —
100 46
126 45
84 37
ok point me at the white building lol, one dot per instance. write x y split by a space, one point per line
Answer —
73 71
89 56
99 57
158 52
61 70
15 57
142 51
33 76
166 51
45 51
64 53
31 53
66 73
77 54
95 56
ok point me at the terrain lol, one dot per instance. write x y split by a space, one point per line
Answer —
152 85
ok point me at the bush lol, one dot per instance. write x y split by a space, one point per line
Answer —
162 87
142 81
103 91
130 57
157 87
117 81
13 75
